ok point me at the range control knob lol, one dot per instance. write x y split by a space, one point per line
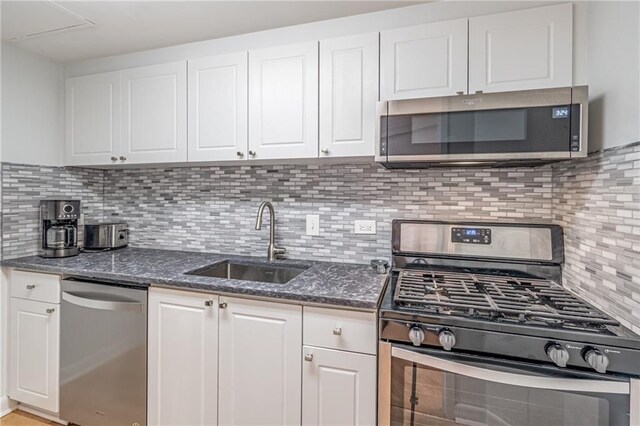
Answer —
416 335
447 339
558 355
597 360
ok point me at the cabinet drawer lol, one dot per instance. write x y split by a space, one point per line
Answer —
35 286
338 329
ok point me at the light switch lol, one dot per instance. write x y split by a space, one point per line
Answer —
313 224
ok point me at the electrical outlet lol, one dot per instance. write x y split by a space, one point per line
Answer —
313 224
365 226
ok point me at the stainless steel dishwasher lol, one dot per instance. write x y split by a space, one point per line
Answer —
103 354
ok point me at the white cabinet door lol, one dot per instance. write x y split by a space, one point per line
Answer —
154 114
283 102
260 365
348 95
34 353
183 358
92 119
218 108
527 49
424 60
338 388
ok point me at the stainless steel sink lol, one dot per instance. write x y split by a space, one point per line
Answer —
250 272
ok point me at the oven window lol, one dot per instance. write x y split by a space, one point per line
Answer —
536 129
424 396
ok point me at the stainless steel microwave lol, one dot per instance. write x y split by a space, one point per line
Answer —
492 129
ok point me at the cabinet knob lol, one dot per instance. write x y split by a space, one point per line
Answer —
122 158
324 150
308 357
222 305
240 154
337 331
114 158
252 153
208 303
50 310
31 286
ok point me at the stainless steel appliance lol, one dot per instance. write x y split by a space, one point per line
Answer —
59 228
103 354
475 329
508 128
106 236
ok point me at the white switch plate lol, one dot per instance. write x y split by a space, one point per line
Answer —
365 226
313 224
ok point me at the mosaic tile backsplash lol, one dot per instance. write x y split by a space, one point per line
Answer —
597 201
214 209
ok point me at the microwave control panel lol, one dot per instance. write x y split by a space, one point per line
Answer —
471 235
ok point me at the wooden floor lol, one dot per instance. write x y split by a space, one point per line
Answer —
20 418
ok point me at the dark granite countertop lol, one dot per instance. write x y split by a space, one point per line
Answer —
336 284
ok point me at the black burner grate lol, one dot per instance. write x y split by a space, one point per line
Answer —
522 300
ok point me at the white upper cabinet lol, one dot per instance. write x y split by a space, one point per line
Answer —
283 102
154 114
424 60
218 108
348 95
260 363
183 358
527 49
93 119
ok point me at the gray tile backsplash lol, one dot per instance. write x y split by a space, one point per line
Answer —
597 201
213 208
23 186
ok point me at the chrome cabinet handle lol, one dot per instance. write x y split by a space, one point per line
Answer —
337 331
122 158
222 305
252 153
460 93
308 357
240 154
50 310
114 158
31 286
208 303
324 150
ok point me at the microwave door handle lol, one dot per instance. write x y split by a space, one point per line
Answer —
92 302
513 379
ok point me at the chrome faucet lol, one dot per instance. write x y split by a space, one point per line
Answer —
272 252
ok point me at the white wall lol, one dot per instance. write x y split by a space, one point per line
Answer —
32 108
613 73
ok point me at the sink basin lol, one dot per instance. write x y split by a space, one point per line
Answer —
250 272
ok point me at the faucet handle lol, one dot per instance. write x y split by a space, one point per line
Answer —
279 251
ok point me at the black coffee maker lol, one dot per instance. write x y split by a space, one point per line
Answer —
59 228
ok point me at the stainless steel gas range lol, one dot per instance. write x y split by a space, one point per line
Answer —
476 329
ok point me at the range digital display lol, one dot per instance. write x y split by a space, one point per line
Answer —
471 235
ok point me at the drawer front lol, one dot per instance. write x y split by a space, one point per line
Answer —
338 329
35 286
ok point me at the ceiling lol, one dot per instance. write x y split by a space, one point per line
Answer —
69 31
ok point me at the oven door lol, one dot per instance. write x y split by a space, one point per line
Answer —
528 125
429 387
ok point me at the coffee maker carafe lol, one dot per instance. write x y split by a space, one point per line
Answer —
59 228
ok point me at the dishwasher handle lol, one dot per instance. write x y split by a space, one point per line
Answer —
101 301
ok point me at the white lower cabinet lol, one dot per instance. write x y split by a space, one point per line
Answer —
260 365
338 387
34 353
183 358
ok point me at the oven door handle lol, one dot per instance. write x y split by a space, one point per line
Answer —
513 379
94 301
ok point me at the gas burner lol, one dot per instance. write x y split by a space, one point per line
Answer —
527 301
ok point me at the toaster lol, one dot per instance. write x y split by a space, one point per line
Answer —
106 236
